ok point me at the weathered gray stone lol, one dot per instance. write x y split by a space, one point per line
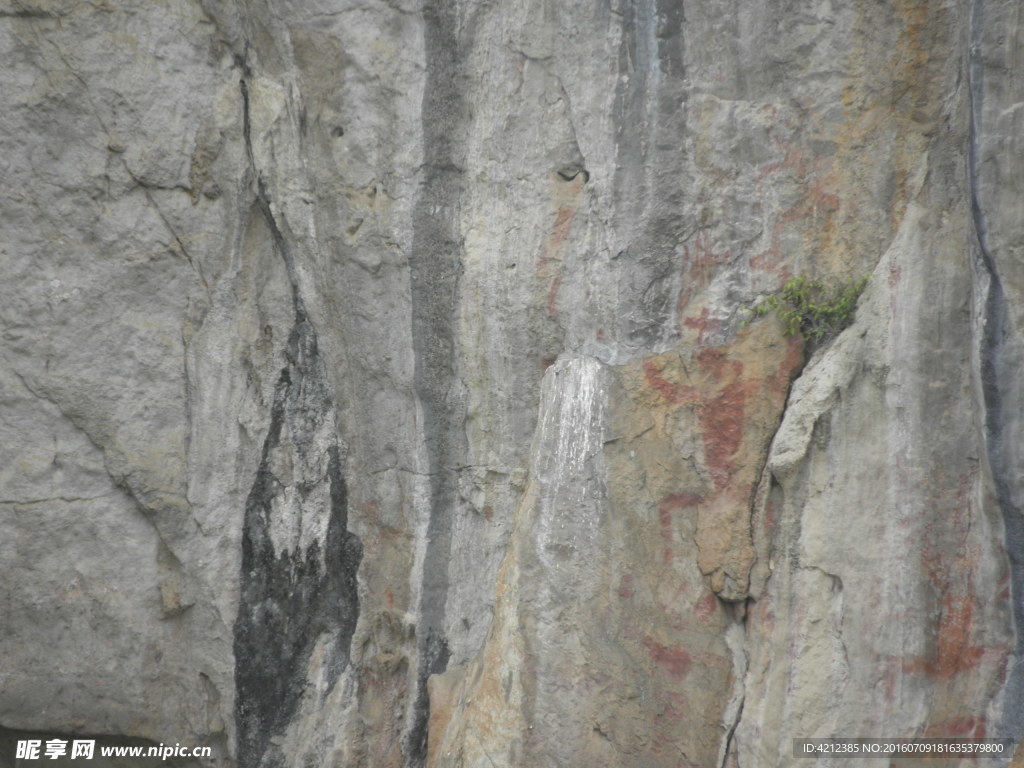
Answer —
376 391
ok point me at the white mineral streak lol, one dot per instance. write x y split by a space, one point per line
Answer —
567 463
547 585
568 535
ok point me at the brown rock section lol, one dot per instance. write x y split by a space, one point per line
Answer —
622 667
704 418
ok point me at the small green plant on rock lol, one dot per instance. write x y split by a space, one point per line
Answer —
818 312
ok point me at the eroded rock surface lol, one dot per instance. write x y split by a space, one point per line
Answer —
377 392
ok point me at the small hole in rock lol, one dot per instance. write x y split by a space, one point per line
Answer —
337 131
570 172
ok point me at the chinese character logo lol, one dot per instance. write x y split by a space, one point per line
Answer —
28 750
82 749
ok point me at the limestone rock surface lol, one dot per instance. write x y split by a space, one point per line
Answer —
377 386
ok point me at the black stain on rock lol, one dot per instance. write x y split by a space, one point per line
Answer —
296 590
434 656
299 561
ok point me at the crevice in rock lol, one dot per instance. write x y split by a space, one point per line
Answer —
171 230
29 13
263 201
730 747
52 500
735 639
246 118
760 496
118 479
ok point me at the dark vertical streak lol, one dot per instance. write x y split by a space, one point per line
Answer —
436 269
650 108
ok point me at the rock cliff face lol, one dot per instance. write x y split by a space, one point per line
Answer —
377 392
